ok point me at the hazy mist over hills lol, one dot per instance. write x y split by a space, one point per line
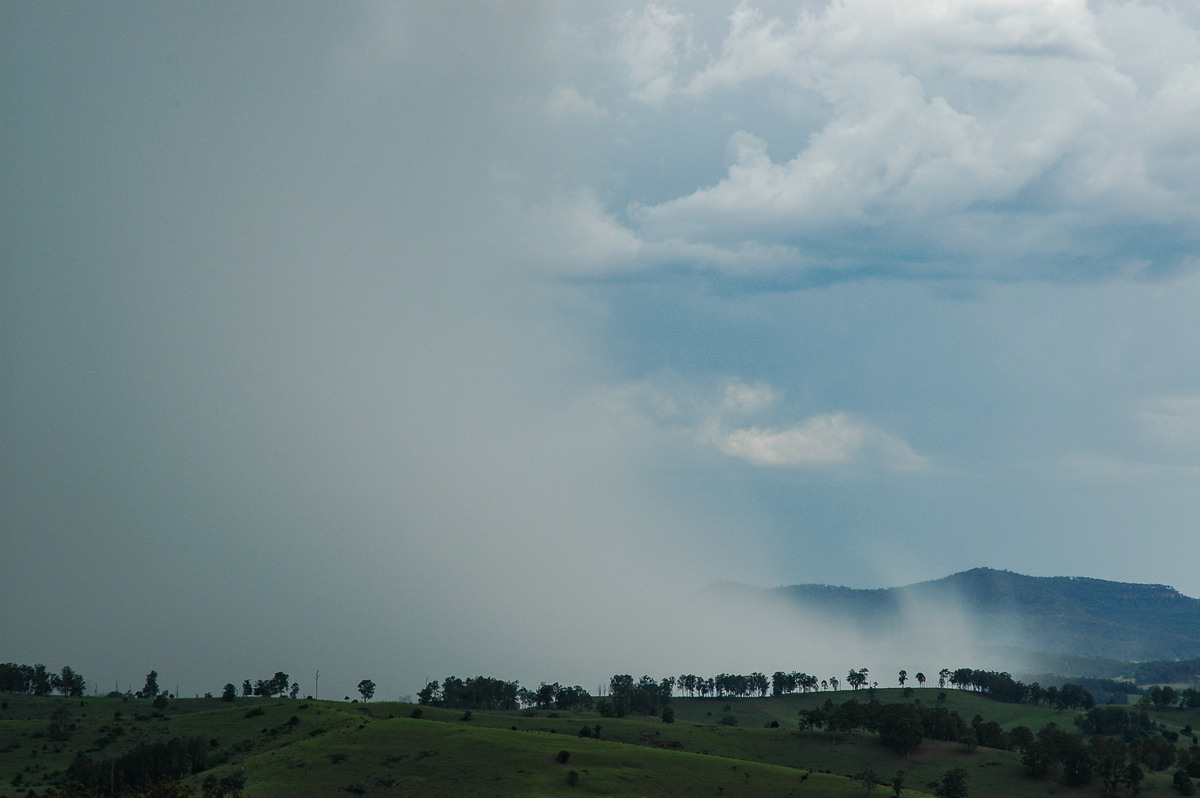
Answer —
1006 612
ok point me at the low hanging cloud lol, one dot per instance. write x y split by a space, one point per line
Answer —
997 140
715 420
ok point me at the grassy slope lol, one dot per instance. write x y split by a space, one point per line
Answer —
383 751
380 750
430 758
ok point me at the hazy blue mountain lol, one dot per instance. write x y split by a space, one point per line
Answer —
1070 616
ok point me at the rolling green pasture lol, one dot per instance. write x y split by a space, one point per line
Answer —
321 748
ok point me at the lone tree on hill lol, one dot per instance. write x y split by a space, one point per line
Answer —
366 689
151 688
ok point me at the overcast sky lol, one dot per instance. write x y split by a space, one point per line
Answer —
415 339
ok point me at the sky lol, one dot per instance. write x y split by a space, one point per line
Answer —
402 340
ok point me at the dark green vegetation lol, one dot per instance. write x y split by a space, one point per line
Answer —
1057 617
871 741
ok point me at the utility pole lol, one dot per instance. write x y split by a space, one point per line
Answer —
317 679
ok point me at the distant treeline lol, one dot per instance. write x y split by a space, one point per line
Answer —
1106 691
648 696
1166 672
36 680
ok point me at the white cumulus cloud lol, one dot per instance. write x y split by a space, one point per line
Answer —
653 43
834 439
985 138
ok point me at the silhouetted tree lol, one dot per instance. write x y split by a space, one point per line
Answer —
366 689
900 728
151 688
278 685
953 785
68 682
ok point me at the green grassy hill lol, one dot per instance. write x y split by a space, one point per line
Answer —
317 748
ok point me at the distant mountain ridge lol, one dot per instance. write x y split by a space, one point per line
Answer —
1071 616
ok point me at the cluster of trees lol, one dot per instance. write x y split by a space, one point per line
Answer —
36 680
484 692
724 685
1167 697
556 696
784 683
902 726
278 685
1113 760
147 764
480 692
646 696
1003 687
